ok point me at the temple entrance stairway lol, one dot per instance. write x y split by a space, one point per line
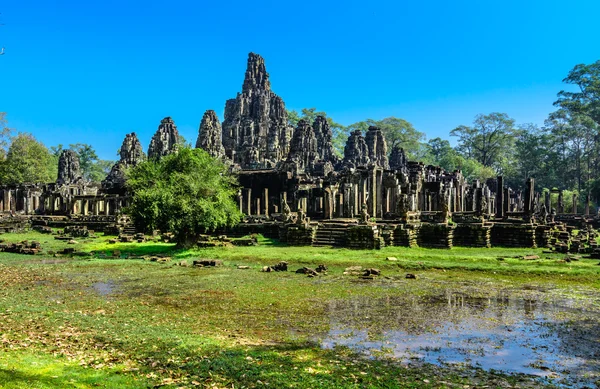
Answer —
129 229
331 234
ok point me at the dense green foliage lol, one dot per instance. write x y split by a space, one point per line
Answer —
186 193
27 161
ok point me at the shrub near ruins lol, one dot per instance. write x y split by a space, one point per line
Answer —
186 193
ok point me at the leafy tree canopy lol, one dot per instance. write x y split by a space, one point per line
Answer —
27 161
187 193
489 141
586 100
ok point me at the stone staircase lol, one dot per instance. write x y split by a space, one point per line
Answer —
331 234
129 229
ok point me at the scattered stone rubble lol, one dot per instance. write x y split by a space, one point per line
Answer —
24 247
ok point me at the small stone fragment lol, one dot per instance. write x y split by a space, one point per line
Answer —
207 262
371 272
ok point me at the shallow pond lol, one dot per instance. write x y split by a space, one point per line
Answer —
104 288
555 339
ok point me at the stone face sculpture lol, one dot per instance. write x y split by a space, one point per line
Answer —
131 154
377 147
165 140
324 137
69 171
397 158
303 151
210 135
356 152
256 118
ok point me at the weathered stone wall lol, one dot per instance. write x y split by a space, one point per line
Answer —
435 235
364 237
513 235
472 235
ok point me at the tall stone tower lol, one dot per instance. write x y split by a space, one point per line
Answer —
256 133
210 137
69 171
164 140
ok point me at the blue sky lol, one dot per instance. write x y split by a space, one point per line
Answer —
92 71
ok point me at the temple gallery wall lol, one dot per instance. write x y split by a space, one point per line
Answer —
294 187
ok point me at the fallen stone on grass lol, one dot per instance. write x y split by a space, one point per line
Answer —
281 266
207 262
72 242
530 257
411 276
183 264
24 247
42 229
242 267
391 259
82 254
371 272
308 271
353 271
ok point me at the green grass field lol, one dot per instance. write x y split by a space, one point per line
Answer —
86 322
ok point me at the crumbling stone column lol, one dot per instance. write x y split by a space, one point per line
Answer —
266 201
500 198
529 196
587 205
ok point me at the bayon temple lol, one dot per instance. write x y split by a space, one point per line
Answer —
294 187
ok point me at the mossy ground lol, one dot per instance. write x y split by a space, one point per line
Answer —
91 322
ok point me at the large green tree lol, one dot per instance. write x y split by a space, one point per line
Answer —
187 193
27 161
586 99
445 156
489 140
5 133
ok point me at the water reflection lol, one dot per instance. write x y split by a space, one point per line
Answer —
515 335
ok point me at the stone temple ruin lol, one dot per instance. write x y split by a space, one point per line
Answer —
294 187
